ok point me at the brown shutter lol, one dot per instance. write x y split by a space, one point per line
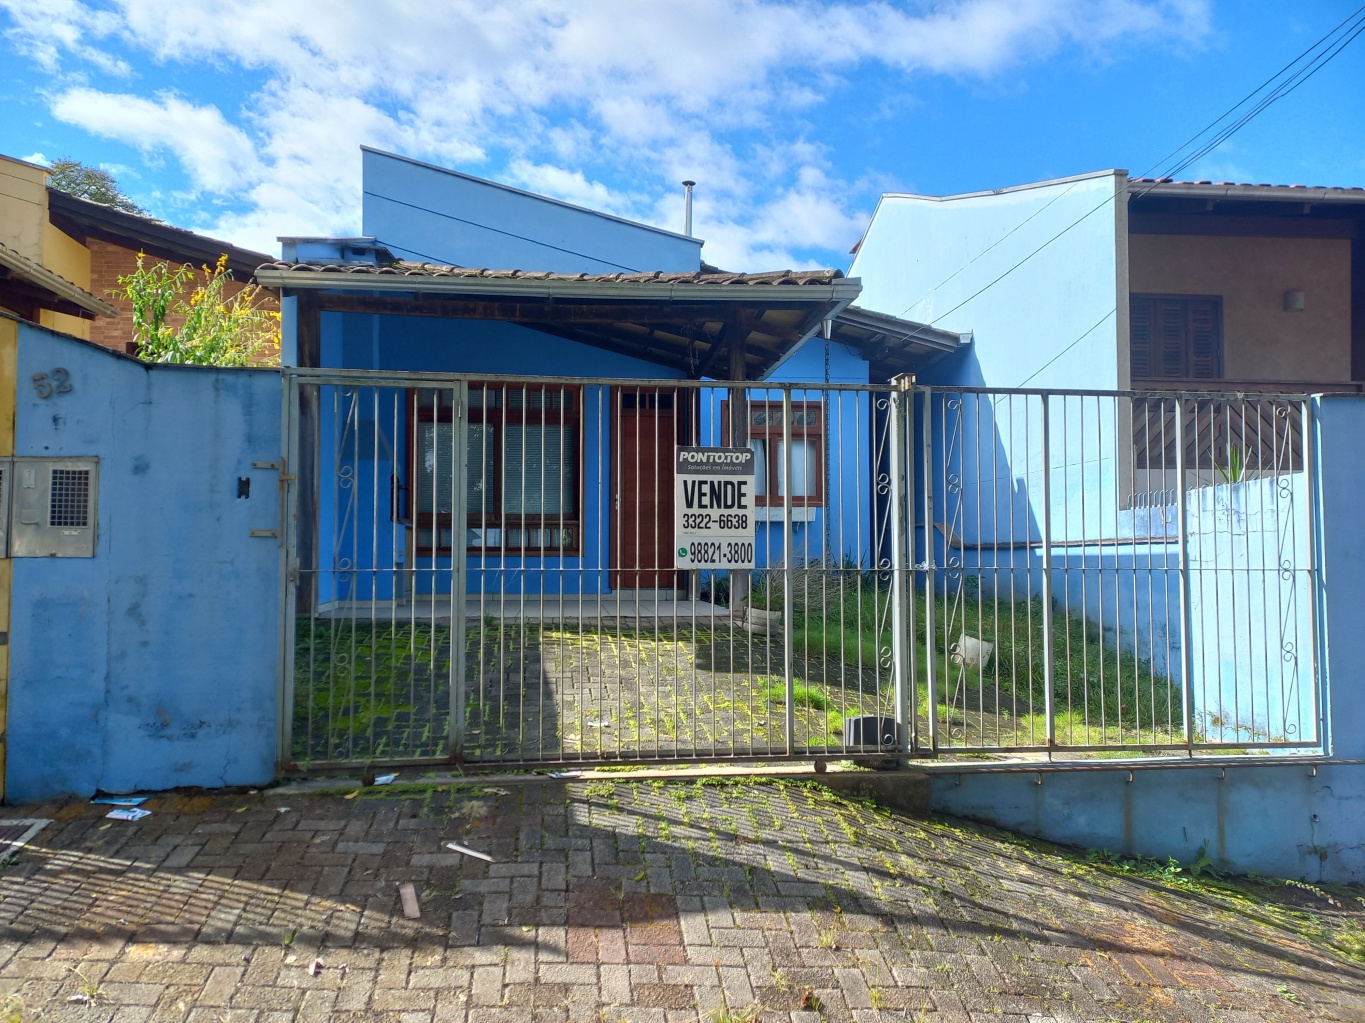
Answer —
1140 338
1172 336
1206 338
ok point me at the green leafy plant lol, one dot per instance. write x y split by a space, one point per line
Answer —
92 184
188 316
1234 471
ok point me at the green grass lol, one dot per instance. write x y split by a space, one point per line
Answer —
805 697
1100 691
380 691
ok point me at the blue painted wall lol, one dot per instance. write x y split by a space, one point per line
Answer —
1280 820
362 545
1049 323
430 214
153 664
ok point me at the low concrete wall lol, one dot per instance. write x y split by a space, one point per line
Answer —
154 663
1282 820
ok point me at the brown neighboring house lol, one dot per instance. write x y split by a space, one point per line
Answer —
61 257
114 239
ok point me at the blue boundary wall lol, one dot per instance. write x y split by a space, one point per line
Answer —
1303 820
153 664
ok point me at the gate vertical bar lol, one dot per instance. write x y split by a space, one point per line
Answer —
788 653
289 566
1309 461
1182 530
458 564
1049 680
901 593
927 440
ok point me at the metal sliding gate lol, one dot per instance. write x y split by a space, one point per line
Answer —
483 570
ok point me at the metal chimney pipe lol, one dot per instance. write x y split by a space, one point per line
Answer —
687 207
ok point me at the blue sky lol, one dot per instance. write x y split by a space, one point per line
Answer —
245 121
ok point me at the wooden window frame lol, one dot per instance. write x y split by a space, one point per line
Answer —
1156 371
772 434
499 418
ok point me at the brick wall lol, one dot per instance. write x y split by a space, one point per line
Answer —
108 263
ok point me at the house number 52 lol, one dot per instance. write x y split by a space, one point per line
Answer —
58 381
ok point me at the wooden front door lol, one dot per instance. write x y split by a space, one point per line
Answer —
647 424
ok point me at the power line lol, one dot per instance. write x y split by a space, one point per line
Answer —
1068 348
1349 29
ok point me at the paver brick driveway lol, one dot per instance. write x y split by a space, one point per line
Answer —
614 901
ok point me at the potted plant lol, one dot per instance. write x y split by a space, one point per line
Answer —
762 613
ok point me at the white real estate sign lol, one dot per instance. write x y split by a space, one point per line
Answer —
713 508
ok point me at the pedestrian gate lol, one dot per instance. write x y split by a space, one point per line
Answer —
486 571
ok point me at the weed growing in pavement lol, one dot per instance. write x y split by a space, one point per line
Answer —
725 1014
1289 996
12 1010
288 935
87 991
878 998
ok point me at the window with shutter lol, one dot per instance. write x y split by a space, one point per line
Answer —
1176 337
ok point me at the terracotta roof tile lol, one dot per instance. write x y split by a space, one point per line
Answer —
1244 184
403 269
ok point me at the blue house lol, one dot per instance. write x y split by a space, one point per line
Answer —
1078 471
568 478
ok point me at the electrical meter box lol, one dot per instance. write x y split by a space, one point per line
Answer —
50 506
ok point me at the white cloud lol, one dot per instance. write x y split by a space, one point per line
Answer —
40 159
218 156
608 104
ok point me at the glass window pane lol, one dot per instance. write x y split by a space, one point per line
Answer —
435 468
539 475
481 464
805 472
760 450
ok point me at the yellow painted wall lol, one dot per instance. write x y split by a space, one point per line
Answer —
68 258
24 227
1260 340
23 207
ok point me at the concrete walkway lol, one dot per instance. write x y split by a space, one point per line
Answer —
620 901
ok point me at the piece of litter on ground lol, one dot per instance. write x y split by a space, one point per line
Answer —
281 809
120 800
103 826
80 998
351 795
599 724
240 809
457 847
130 813
315 967
496 791
408 894
385 779
564 774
